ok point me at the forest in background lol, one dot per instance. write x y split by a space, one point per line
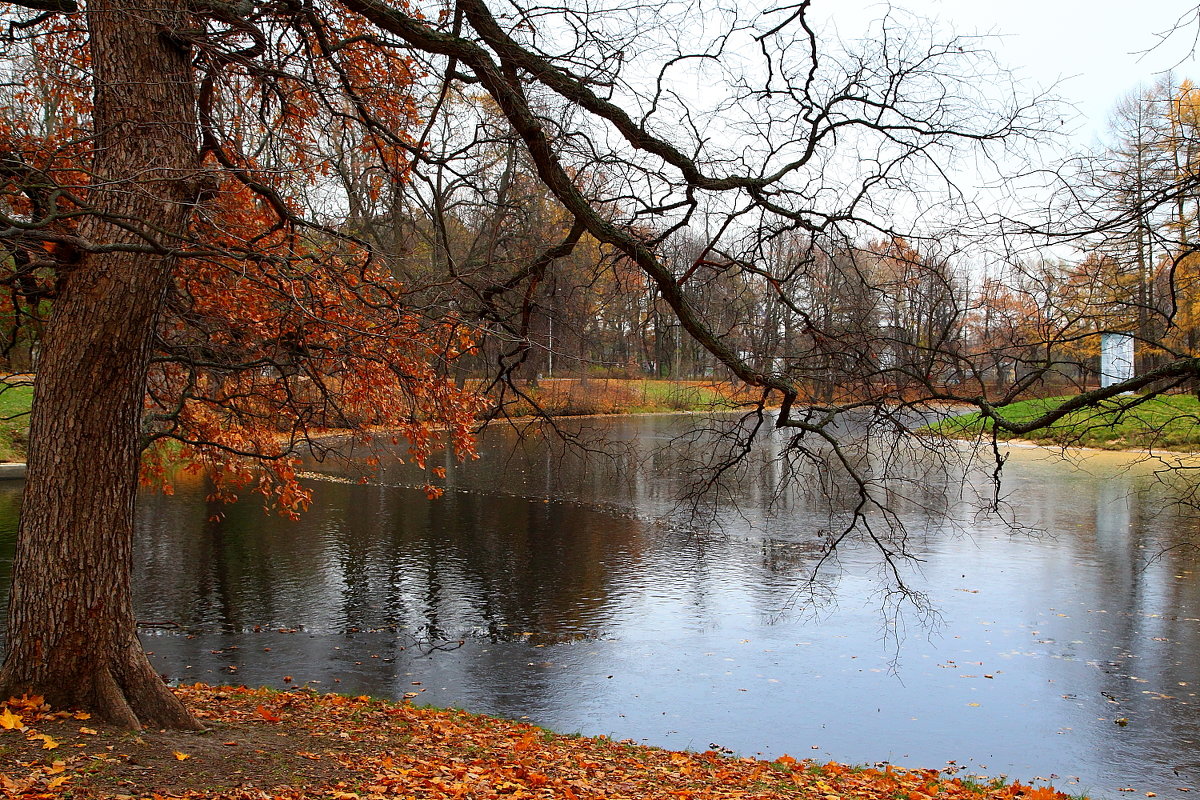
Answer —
844 317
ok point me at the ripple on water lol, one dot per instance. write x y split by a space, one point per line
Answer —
570 593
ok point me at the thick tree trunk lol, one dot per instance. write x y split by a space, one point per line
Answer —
72 635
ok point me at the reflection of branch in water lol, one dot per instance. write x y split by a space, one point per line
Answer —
863 482
426 639
430 646
613 509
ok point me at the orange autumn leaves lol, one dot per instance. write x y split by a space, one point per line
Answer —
375 750
288 330
308 339
18 717
280 325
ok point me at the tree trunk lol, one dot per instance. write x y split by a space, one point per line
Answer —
72 635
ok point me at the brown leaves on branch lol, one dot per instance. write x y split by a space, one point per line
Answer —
264 355
265 744
278 328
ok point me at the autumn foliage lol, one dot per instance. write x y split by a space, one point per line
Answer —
265 354
279 325
263 743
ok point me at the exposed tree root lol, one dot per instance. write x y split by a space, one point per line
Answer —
127 693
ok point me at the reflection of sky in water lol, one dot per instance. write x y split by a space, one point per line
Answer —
584 615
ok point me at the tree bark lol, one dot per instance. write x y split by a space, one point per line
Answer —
72 634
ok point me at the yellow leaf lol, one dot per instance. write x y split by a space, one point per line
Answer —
87 731
54 783
48 743
82 715
11 721
181 756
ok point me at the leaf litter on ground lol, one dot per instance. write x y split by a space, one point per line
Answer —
262 743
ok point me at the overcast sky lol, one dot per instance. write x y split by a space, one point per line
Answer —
1094 49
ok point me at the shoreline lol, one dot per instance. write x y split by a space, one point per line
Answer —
298 744
1066 449
15 470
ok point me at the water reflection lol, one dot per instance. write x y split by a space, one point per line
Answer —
546 585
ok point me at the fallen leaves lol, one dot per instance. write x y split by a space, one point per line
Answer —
48 743
356 747
10 721
267 714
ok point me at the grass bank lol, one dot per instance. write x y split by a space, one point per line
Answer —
574 397
290 745
16 398
1165 422
556 396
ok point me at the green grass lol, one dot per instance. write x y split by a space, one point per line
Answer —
660 395
15 401
573 397
1168 422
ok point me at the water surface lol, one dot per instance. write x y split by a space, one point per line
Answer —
561 589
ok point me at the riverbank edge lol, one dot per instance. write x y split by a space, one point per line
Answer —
1064 440
15 470
1068 450
301 744
719 400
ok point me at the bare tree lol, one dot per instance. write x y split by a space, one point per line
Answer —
778 150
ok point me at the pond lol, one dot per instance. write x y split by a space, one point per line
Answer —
569 591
